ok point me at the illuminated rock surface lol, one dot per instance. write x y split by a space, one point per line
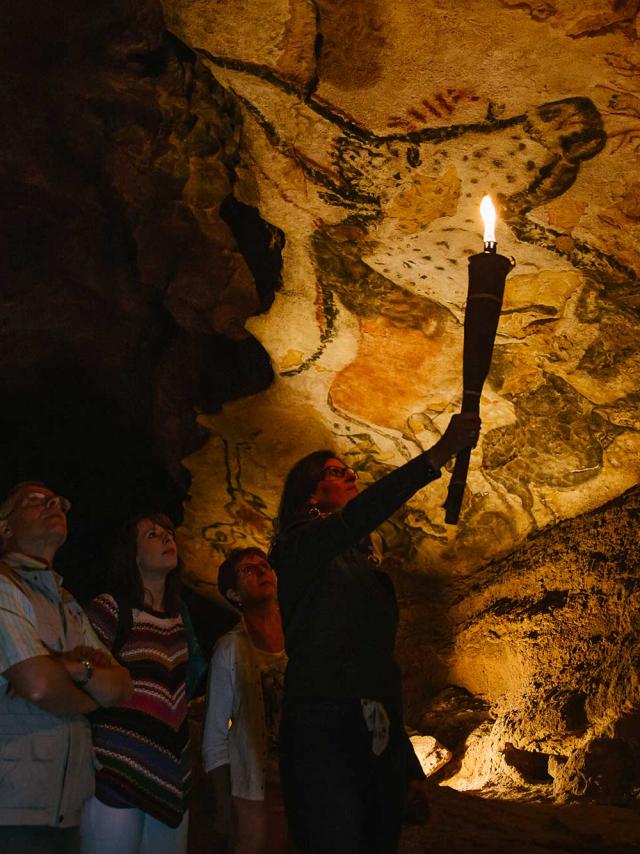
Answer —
368 139
311 173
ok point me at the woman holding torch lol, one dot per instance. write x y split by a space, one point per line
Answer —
346 761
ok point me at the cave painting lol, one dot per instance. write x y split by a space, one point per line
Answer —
373 162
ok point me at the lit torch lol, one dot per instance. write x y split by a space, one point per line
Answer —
487 274
488 214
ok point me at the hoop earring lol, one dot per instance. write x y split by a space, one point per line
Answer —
314 512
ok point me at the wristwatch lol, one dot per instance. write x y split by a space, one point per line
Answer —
88 673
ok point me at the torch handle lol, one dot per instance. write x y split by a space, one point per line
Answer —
457 485
487 274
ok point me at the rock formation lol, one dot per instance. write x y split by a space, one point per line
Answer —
544 648
125 289
237 232
375 176
368 139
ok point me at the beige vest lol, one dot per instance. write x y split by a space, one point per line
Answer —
46 761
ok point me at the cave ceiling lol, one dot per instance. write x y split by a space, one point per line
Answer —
369 133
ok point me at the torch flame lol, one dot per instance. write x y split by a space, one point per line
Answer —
488 214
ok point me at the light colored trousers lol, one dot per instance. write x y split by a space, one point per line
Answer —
107 830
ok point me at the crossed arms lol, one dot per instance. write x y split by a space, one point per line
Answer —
47 677
49 681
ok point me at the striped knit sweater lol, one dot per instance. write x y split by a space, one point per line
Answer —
143 746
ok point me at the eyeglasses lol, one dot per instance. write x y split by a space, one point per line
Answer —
338 473
41 501
251 568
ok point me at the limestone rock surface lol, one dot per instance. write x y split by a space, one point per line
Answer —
430 752
370 133
369 137
541 654
124 284
280 198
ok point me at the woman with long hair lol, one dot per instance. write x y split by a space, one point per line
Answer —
142 747
346 761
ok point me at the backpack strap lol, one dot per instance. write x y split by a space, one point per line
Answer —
197 665
9 573
125 624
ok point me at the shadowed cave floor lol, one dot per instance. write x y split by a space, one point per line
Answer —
464 822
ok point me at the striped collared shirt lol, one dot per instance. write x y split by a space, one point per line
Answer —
19 635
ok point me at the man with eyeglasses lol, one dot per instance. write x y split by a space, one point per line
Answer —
246 687
53 671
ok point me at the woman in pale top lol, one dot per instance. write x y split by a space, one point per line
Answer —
244 702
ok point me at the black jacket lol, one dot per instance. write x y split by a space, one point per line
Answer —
339 611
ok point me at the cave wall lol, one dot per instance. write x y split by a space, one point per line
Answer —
528 669
234 233
370 133
124 284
